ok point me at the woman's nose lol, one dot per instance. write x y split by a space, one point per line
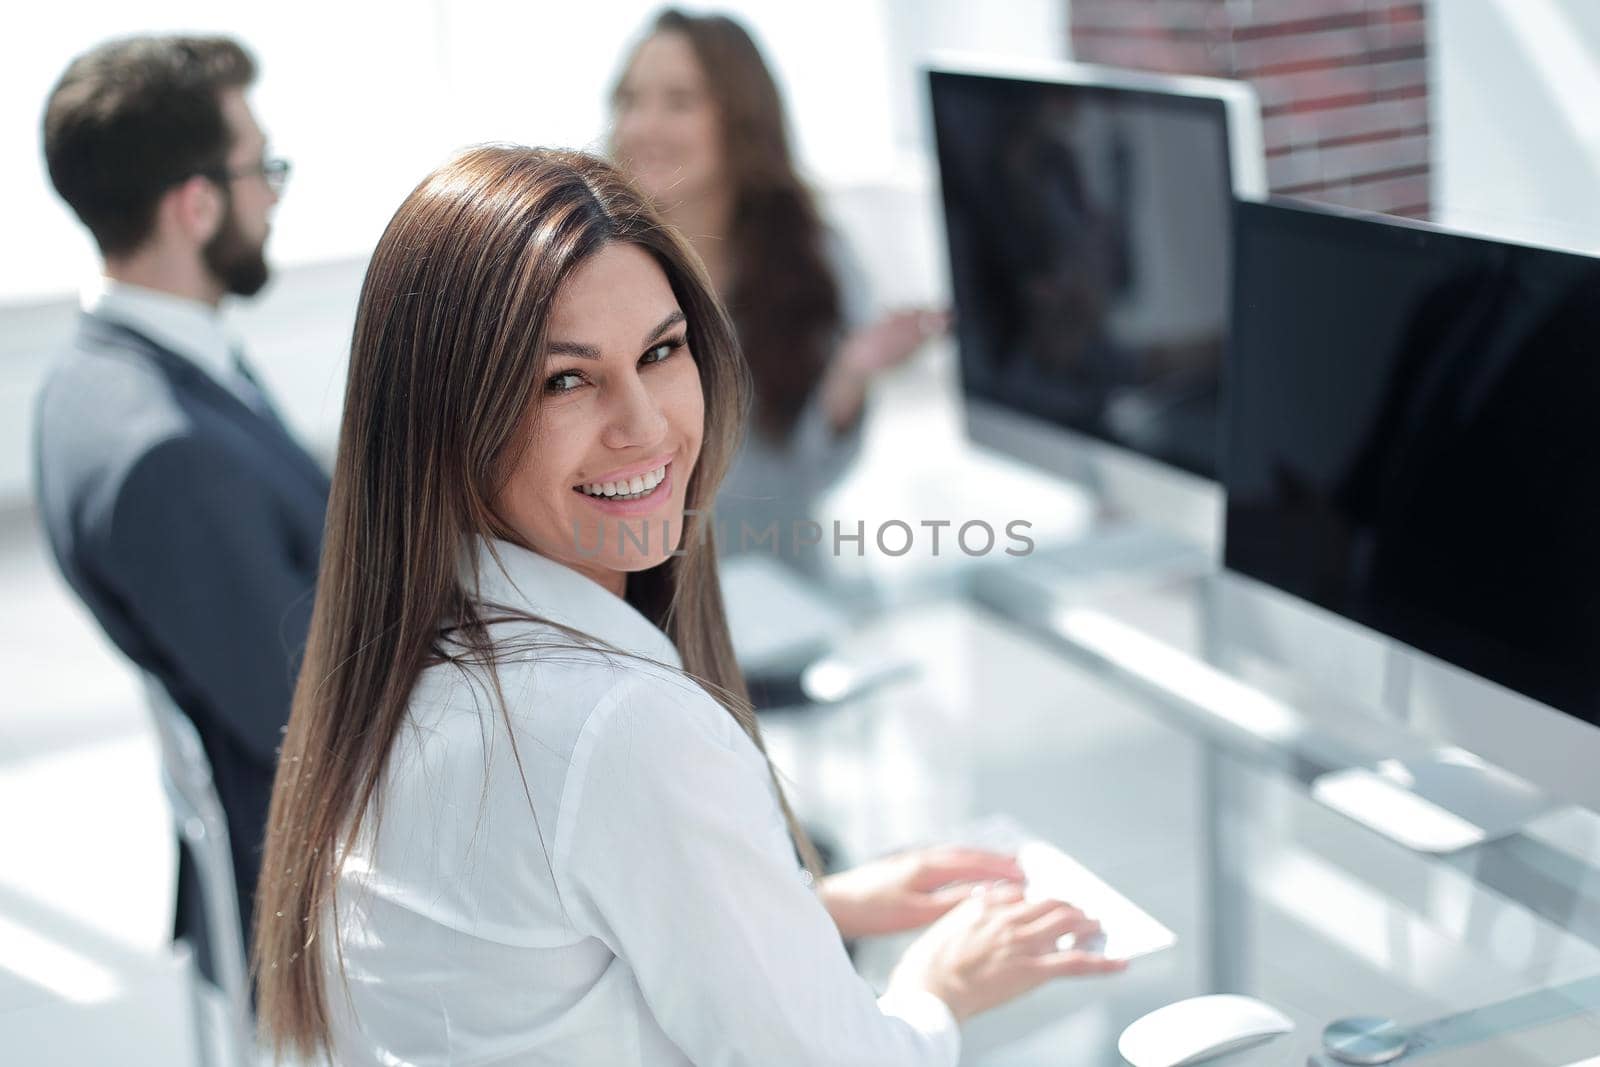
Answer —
631 122
633 418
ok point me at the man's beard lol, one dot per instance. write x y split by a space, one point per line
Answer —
234 261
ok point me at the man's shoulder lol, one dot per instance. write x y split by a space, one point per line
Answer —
105 407
96 381
111 398
110 419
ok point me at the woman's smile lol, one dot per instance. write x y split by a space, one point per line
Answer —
639 494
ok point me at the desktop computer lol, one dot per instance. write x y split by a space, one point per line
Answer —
1410 466
1087 217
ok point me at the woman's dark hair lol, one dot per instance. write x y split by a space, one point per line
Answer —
441 398
133 117
783 296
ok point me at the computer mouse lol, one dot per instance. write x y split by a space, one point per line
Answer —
1199 1028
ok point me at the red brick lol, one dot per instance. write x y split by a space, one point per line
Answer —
1406 92
1375 135
1329 143
1292 49
1396 11
1172 56
1144 14
1294 170
1262 22
1269 12
1411 33
1372 157
1302 87
1243 68
1152 31
1375 193
1343 83
1400 73
1331 124
1342 86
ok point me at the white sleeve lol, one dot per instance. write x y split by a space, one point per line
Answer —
670 848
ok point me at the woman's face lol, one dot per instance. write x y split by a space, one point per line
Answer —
601 484
668 133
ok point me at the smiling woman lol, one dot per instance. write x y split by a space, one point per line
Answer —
523 812
699 125
602 487
506 350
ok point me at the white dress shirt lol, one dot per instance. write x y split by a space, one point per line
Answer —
616 887
190 328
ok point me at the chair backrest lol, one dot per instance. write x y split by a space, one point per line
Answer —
203 829
185 768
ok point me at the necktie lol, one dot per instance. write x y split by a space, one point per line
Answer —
253 393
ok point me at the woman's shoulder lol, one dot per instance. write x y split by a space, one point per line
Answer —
655 705
550 694
849 274
475 747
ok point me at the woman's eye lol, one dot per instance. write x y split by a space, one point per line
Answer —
565 382
657 353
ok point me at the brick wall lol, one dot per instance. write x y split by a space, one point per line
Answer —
1343 83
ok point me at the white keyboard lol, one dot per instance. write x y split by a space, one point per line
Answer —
1127 930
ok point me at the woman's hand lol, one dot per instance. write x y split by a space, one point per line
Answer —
869 352
995 946
910 889
891 340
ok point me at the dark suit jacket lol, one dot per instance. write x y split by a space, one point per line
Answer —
191 526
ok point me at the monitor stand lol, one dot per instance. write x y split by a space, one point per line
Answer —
1438 804
1114 554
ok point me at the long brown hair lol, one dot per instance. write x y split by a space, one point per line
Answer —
441 395
783 296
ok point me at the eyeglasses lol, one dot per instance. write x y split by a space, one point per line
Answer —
275 172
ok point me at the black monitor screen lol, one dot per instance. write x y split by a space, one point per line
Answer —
1088 235
1413 440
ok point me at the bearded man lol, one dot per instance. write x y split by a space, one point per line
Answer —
179 507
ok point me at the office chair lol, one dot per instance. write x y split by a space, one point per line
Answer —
203 830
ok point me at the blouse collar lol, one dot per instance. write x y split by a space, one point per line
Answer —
526 580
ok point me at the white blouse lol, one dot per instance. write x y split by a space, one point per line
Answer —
608 882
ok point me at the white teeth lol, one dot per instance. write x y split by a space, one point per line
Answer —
638 485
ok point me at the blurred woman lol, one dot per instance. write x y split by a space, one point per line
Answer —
523 812
699 125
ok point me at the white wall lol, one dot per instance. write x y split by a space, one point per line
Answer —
366 97
348 93
1516 90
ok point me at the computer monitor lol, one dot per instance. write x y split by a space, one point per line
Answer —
1411 446
1087 218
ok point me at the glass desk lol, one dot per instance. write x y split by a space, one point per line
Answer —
1203 824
